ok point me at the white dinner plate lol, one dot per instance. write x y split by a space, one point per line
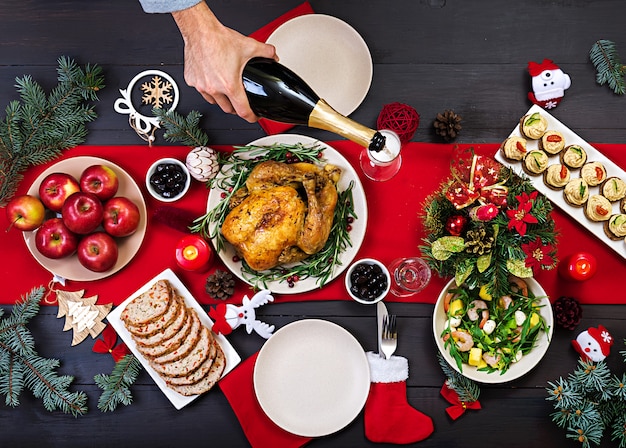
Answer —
69 267
232 357
312 378
593 155
357 234
329 55
516 370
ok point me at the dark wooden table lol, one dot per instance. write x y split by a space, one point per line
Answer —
433 54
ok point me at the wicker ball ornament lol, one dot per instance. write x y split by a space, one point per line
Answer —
399 118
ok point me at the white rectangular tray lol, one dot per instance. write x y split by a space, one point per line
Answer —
593 155
232 357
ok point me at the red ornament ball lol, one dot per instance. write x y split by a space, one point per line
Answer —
399 118
456 224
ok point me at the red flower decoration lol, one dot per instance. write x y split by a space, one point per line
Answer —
538 254
521 216
107 344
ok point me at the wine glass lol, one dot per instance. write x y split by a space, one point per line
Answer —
409 276
382 165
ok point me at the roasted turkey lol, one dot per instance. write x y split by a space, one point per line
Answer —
283 214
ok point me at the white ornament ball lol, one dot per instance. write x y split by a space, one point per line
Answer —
202 163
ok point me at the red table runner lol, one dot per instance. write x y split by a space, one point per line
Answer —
394 204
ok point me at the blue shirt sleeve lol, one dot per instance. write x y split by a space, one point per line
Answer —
161 6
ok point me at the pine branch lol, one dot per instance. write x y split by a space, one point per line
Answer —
467 390
603 55
38 127
184 130
116 387
590 402
21 367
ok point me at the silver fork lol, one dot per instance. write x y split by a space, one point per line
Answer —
389 340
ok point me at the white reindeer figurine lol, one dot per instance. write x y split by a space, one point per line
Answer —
227 317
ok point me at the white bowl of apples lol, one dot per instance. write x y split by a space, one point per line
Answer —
93 220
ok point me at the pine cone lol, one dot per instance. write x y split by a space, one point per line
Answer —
220 285
447 125
567 312
478 241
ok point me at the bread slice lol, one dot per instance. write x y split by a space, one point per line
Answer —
184 348
202 371
208 381
192 327
168 331
159 324
190 363
148 306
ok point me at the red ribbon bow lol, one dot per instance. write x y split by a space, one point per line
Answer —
107 344
220 325
476 178
458 407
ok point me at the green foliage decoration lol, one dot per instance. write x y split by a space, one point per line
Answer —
609 69
39 126
116 386
21 367
590 402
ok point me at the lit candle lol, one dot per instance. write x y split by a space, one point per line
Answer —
193 253
579 266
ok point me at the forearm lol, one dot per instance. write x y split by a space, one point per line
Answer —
163 6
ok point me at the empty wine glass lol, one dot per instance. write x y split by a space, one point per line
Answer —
382 165
409 276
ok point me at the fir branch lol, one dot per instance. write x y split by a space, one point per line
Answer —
116 386
179 129
605 59
467 390
590 402
38 127
21 367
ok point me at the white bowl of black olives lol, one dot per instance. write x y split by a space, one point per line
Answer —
368 281
168 179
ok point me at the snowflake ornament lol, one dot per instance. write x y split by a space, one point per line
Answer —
158 91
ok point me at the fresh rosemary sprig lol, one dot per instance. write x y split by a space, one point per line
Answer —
233 175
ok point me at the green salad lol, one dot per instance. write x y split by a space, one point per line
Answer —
492 333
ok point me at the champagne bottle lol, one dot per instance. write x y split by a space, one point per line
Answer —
277 93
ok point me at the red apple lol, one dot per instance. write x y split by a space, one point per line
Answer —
121 216
25 212
100 180
97 252
54 240
56 188
82 212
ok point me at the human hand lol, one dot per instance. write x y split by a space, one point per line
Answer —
215 57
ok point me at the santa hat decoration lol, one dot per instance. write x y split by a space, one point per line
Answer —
535 69
593 344
604 338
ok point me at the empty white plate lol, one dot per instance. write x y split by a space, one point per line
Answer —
329 55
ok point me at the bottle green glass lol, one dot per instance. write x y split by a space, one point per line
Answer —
277 93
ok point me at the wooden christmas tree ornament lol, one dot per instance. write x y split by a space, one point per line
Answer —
81 314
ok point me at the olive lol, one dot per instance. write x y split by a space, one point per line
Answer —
168 180
368 281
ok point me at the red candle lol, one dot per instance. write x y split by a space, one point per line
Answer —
579 266
193 253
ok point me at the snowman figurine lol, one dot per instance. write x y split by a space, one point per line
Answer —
593 344
549 84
